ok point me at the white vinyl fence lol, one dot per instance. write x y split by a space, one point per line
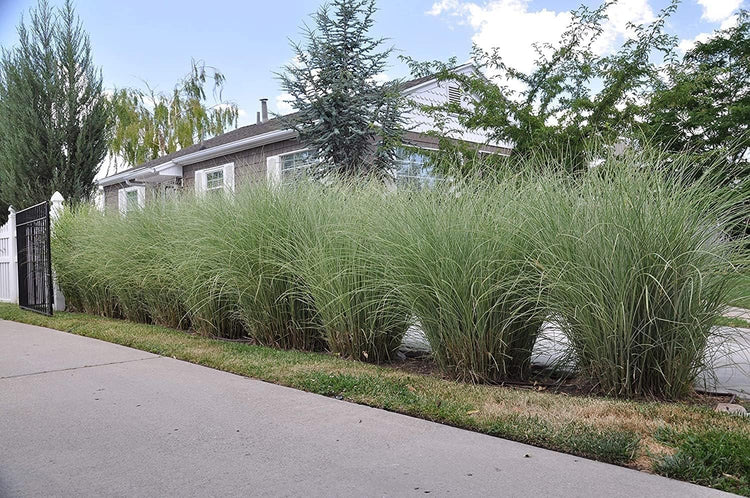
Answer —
8 261
9 256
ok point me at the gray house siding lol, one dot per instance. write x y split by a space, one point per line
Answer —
110 196
249 165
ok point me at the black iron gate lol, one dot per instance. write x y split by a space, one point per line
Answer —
35 287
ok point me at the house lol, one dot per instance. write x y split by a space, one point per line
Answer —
266 151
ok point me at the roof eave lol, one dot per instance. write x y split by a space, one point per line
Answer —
201 155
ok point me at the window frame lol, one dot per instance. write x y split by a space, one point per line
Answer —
275 166
423 180
201 178
123 194
220 184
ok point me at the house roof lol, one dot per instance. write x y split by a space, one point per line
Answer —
407 85
272 124
245 132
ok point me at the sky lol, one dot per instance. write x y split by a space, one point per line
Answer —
154 40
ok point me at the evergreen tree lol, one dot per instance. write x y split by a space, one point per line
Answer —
351 122
53 114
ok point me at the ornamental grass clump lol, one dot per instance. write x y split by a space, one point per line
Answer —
636 264
195 261
251 232
459 261
75 247
116 266
345 275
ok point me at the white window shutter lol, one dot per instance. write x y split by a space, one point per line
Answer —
141 196
273 170
229 177
122 201
200 182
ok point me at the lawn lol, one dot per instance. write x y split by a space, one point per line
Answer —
686 441
742 294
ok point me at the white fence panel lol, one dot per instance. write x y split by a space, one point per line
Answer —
8 260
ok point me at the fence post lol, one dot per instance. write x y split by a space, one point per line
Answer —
56 208
13 248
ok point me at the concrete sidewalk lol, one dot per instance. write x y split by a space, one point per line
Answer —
81 417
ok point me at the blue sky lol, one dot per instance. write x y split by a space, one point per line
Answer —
154 40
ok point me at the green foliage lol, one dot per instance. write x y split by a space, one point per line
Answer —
637 270
704 105
53 114
462 266
630 260
148 124
352 122
711 458
571 98
742 292
345 278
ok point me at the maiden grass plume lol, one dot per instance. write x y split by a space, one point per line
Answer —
632 262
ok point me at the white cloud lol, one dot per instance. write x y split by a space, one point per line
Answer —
729 22
513 28
508 25
619 18
381 78
282 106
450 6
718 10
689 44
686 45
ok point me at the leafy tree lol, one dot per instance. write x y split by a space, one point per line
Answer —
148 124
352 122
53 114
571 99
703 106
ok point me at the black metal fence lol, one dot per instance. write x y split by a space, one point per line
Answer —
35 286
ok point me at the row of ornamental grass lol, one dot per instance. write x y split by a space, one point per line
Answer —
630 258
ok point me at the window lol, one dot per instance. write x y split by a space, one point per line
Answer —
289 167
216 179
295 165
413 170
167 190
131 198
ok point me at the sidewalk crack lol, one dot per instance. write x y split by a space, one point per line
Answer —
81 367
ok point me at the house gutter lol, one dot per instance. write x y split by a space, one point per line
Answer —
198 156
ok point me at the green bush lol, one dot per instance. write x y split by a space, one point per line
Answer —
339 260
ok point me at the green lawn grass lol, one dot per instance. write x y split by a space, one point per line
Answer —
733 322
673 439
742 294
